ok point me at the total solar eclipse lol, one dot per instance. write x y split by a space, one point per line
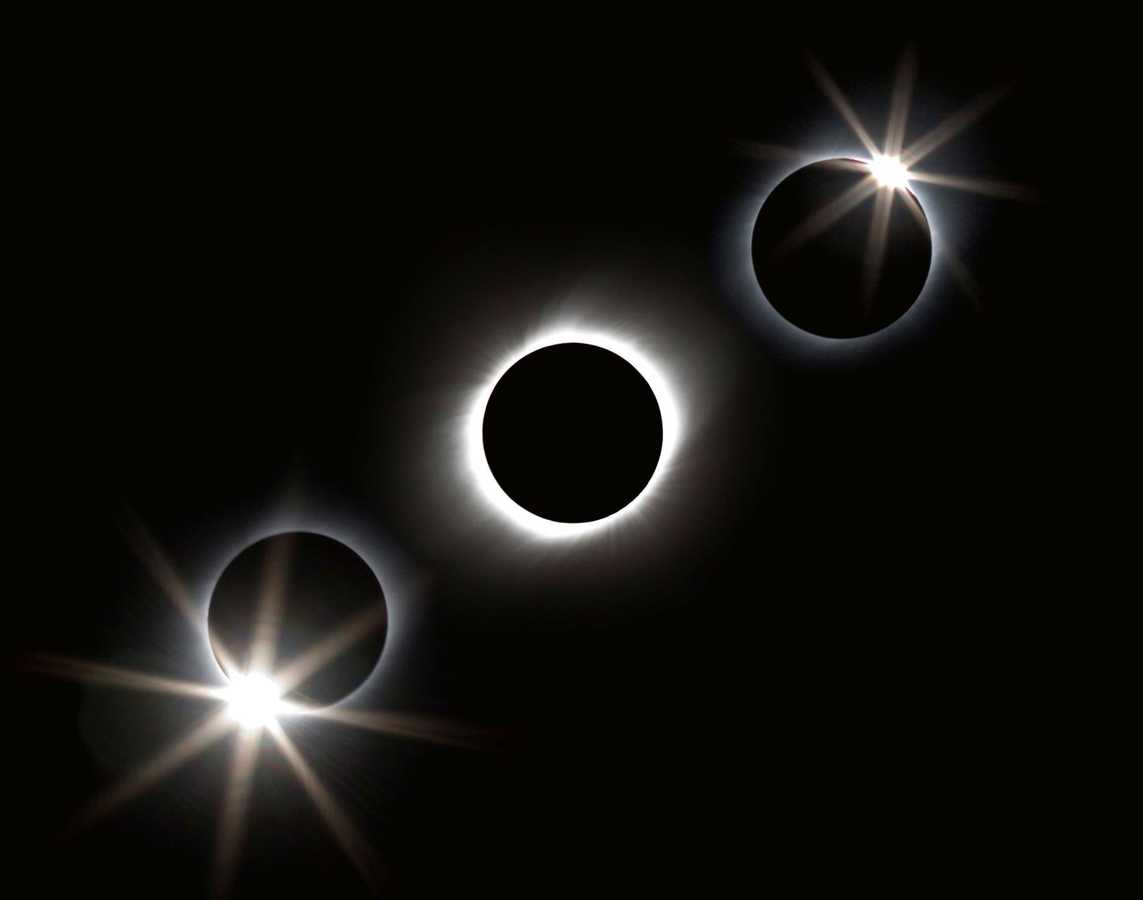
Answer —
572 432
841 248
323 605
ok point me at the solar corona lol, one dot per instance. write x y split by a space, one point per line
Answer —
605 405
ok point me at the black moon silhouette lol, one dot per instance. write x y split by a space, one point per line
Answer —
572 432
316 587
821 279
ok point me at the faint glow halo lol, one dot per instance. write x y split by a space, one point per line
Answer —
477 462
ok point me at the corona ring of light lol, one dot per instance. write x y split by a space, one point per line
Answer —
493 493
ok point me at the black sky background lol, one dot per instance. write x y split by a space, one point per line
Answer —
819 675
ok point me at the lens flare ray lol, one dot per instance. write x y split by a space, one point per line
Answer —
235 800
961 274
159 566
155 769
415 727
117 676
952 126
341 827
987 187
875 250
829 214
328 648
269 613
841 104
899 103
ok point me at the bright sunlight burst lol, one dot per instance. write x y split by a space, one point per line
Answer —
889 171
253 700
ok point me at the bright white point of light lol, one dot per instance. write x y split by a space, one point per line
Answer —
253 700
486 482
889 171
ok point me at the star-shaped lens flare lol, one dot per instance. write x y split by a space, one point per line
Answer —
892 168
251 705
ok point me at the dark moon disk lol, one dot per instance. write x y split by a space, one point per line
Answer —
822 282
315 587
572 432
